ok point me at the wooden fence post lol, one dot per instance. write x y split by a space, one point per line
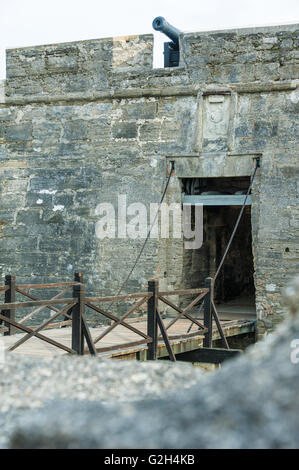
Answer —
207 314
10 297
77 312
152 326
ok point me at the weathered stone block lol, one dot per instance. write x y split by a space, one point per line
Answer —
18 132
34 199
99 129
62 63
75 130
150 131
5 114
143 110
170 130
28 217
124 130
50 131
2 132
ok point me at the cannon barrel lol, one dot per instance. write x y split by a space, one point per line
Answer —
160 24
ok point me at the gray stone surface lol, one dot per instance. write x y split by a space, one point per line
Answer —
29 383
242 55
83 122
251 402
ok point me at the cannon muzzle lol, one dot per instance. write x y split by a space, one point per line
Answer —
160 24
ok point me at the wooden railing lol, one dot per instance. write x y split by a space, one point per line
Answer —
73 312
9 307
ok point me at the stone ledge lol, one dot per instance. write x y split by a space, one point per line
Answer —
192 90
247 30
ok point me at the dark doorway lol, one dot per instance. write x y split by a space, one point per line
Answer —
235 282
236 276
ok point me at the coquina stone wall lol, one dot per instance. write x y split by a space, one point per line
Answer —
81 123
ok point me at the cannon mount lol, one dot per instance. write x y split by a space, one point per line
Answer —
171 49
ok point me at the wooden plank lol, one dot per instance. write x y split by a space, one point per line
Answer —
199 333
165 337
180 342
4 288
88 337
10 297
184 312
38 335
40 327
113 317
124 345
207 313
58 324
152 304
35 303
78 311
119 321
32 297
183 292
46 286
30 315
175 307
116 298
209 355
218 324
137 319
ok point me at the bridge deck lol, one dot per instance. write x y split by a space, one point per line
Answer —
113 341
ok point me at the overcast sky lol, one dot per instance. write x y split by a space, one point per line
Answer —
34 22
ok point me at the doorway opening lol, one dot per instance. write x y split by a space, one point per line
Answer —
222 199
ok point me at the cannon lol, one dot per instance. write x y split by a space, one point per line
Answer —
171 49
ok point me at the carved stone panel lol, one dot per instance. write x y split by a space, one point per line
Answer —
216 113
215 122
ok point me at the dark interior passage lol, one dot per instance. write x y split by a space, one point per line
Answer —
205 186
236 278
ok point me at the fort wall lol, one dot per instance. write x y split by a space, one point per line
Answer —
81 123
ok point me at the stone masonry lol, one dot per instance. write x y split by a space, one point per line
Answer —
81 123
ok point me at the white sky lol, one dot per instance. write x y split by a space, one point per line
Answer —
34 22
